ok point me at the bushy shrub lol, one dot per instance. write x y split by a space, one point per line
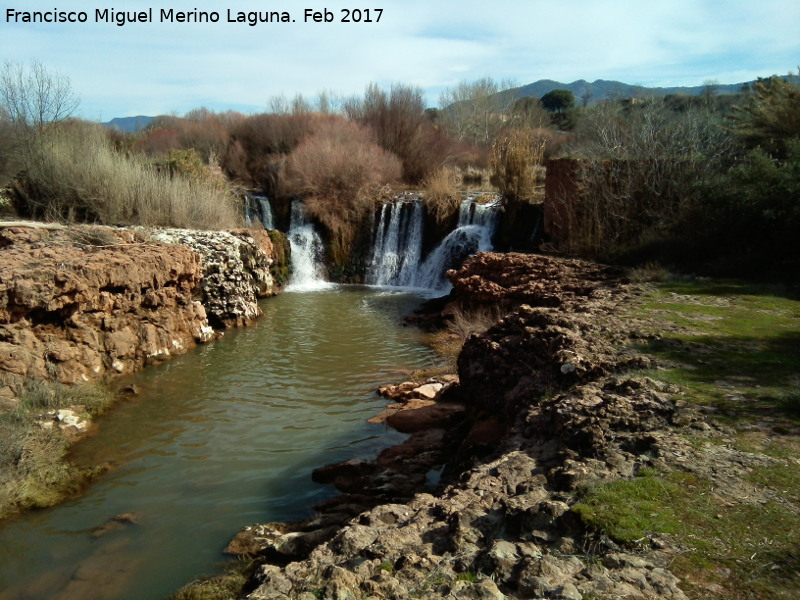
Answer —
339 170
769 118
339 162
637 166
258 145
74 174
514 161
752 210
201 130
401 126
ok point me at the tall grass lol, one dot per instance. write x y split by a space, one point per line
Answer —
442 197
515 161
74 174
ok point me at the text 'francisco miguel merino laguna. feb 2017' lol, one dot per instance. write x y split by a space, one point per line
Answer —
170 15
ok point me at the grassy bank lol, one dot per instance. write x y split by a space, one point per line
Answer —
734 349
34 471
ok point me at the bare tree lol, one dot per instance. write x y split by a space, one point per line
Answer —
32 96
401 126
476 111
639 163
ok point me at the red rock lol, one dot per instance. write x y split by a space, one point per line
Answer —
77 311
441 415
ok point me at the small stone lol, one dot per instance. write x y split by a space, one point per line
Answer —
429 390
568 592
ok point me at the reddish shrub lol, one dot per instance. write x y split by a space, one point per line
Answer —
403 127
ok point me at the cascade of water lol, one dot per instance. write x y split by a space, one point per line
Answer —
265 210
398 245
474 232
307 253
258 207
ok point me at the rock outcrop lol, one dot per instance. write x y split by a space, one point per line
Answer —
511 279
79 302
547 409
236 271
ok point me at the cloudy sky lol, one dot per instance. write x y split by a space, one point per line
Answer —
163 67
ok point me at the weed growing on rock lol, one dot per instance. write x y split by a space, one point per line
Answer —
442 199
222 587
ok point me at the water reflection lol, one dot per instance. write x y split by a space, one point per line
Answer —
215 440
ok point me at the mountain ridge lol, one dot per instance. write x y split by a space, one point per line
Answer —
585 92
605 89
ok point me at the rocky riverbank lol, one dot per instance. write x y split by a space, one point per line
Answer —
80 304
483 499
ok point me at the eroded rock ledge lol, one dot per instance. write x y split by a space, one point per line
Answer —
551 402
79 302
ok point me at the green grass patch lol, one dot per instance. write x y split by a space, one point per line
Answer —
34 471
627 510
750 550
222 587
783 479
732 345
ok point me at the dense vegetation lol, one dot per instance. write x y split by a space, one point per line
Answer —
667 179
692 180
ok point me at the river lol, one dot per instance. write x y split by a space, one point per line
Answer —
222 437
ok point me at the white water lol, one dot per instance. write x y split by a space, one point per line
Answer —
398 245
308 272
258 207
266 212
474 232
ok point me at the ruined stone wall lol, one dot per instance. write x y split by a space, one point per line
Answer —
560 193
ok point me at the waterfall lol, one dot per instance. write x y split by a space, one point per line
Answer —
398 245
476 225
307 253
258 207
397 252
265 210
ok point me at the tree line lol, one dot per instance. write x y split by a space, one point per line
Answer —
713 173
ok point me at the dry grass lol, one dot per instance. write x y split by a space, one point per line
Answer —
74 174
447 343
515 162
442 198
650 271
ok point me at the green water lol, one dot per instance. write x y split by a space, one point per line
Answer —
217 439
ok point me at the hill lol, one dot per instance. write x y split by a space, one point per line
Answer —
129 124
602 89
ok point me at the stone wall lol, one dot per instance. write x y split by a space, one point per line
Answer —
560 193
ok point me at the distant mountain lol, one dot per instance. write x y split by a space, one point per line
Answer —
602 89
129 124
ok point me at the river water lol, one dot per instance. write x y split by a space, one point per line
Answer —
222 437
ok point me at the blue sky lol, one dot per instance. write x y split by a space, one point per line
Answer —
170 68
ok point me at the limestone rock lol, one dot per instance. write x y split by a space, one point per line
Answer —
74 310
235 271
79 302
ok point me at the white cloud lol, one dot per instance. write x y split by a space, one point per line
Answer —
162 67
